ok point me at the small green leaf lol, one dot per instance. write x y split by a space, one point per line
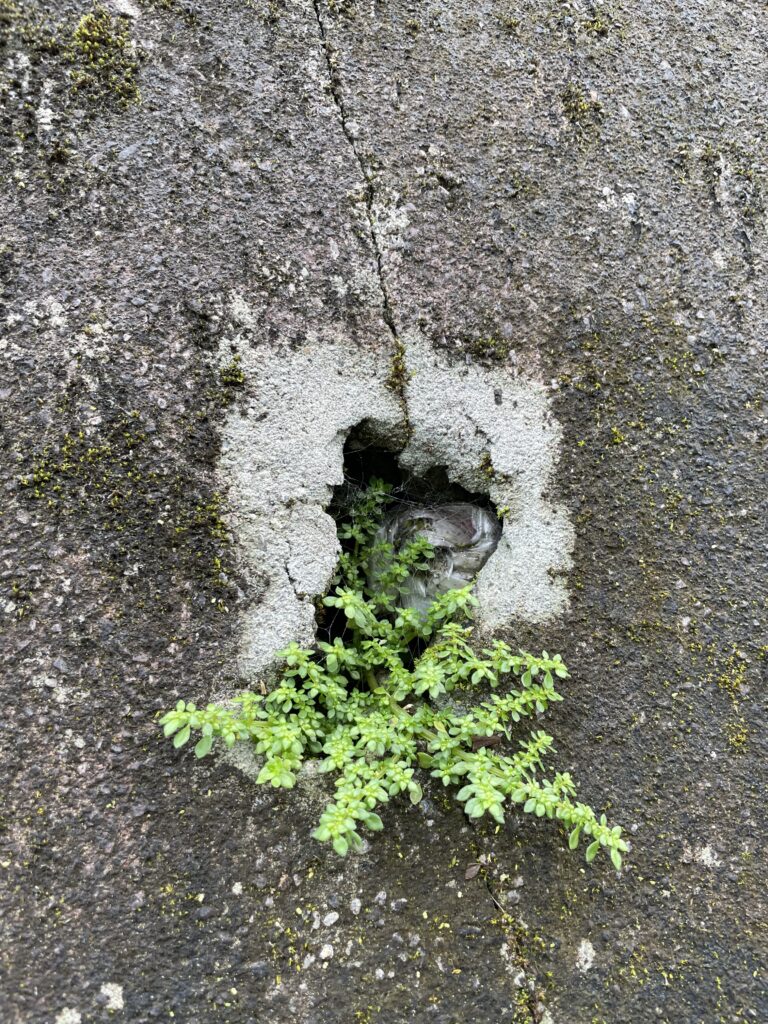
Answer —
341 846
592 851
414 789
616 858
354 840
181 737
474 808
496 811
203 746
573 839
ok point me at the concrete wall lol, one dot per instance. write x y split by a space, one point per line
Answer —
565 197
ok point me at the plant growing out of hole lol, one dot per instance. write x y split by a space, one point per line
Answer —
380 704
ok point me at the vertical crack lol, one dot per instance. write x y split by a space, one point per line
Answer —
338 99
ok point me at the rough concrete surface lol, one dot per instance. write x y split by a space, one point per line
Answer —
493 430
572 191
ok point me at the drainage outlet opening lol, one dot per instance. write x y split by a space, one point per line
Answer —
463 528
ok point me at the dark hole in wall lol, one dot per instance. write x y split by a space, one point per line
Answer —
365 458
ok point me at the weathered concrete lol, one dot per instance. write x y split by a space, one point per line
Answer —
576 190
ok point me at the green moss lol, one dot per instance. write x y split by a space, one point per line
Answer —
581 109
731 679
397 377
104 59
18 594
510 25
737 733
231 377
733 676
597 26
56 475
486 466
9 14
489 349
346 7
520 943
19 28
114 484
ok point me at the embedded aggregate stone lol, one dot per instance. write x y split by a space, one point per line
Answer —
567 195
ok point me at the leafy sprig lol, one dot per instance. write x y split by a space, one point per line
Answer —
379 706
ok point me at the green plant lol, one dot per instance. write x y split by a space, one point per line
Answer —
232 374
382 702
104 59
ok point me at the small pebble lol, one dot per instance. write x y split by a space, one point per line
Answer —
326 952
355 906
330 919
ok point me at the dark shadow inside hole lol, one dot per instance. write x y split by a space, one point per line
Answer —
365 459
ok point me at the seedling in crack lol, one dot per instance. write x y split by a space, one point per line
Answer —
390 701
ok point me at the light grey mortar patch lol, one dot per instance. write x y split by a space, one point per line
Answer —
460 417
282 454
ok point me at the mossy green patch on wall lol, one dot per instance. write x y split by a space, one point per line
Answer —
232 379
104 58
489 349
581 108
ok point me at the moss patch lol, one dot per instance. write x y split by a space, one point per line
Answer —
231 378
582 109
105 61
490 349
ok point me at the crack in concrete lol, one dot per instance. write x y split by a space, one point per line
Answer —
370 194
